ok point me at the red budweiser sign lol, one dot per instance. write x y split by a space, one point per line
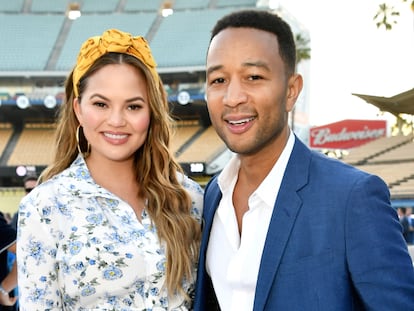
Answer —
346 134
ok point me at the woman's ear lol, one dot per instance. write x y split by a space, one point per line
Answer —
77 109
295 85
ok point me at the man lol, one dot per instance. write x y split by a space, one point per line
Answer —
286 228
8 279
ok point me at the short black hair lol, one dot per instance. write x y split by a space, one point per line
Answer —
266 21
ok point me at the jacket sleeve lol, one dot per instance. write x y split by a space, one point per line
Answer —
379 263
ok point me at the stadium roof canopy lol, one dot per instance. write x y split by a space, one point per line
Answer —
397 104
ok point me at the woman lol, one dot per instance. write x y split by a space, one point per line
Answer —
114 224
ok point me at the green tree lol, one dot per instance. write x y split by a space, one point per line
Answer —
303 50
387 15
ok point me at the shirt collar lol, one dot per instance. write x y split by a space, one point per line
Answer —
85 184
269 188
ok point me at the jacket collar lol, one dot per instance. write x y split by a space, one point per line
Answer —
286 209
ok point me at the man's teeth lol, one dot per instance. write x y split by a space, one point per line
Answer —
242 121
115 136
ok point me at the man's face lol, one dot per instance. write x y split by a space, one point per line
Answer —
247 89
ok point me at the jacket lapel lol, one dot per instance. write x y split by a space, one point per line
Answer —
212 197
287 206
205 297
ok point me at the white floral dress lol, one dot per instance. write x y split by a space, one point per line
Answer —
81 247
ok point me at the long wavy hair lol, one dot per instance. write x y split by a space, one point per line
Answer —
169 204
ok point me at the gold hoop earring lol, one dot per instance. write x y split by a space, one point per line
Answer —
82 142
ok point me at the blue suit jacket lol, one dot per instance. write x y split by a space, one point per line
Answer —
334 243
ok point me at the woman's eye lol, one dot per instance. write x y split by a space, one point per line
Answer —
99 104
134 107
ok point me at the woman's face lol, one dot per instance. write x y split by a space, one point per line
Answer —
114 112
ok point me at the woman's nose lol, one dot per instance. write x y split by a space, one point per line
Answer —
116 118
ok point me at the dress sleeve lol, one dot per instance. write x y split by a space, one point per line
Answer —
37 240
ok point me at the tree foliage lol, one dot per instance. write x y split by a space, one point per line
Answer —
387 15
303 51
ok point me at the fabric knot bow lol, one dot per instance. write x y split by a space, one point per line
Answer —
112 40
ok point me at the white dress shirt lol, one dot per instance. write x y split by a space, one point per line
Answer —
232 261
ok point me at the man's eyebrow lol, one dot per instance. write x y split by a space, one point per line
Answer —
213 68
259 64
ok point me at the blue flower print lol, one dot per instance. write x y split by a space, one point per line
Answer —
88 238
109 247
35 250
88 290
82 173
95 240
37 295
127 301
129 255
79 265
46 211
63 208
112 273
161 266
154 291
75 247
95 219
164 302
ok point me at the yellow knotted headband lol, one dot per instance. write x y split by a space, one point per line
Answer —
112 40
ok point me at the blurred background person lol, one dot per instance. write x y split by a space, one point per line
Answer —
29 182
406 221
8 277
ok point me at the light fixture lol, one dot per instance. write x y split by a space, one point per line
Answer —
166 9
183 98
74 10
197 167
21 170
22 102
49 101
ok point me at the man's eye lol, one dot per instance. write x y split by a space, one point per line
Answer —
256 77
217 81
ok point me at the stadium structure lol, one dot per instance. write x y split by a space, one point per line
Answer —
40 45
